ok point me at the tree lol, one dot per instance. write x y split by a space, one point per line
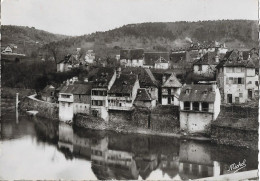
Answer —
55 50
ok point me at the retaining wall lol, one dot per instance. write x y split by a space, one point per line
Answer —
45 109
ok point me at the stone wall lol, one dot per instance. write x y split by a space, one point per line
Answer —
45 109
235 136
140 117
116 116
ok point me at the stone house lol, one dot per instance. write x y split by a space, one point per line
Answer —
171 89
90 57
199 106
158 59
146 79
102 78
237 78
132 57
74 99
144 99
67 63
123 92
206 65
48 93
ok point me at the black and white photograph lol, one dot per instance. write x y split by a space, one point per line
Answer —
129 90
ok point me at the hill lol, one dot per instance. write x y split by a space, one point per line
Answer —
241 34
27 39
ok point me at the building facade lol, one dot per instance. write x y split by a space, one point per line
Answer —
199 106
132 57
171 90
122 94
237 78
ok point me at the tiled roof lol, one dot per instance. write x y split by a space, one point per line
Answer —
209 59
124 84
145 76
130 54
151 57
143 95
177 57
101 76
198 93
235 59
172 81
77 89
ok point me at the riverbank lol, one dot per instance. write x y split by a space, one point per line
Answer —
95 123
236 126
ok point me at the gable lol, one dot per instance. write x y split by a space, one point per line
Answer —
172 81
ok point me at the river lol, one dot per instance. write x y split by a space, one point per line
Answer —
37 148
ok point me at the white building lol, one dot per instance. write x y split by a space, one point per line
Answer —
103 78
161 63
90 57
122 94
132 57
237 78
171 90
199 106
74 99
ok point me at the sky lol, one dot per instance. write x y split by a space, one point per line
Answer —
78 17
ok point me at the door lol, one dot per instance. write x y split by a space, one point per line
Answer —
229 98
169 100
250 93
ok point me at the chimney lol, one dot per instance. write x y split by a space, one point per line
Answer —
118 72
217 58
214 87
163 79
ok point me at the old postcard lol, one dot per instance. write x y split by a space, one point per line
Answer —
129 90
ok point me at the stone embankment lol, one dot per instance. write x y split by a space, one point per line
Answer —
237 126
45 109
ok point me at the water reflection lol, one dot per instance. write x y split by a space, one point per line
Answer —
123 156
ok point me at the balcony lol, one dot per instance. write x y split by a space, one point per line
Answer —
120 98
65 99
122 108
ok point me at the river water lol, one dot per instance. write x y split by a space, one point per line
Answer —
36 148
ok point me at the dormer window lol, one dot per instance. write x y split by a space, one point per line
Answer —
187 91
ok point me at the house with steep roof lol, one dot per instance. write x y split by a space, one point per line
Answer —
144 99
123 92
90 57
159 60
132 57
102 79
146 80
206 65
73 99
48 93
67 63
171 89
237 78
199 106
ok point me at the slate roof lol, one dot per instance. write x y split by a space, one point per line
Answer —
124 84
209 59
172 81
143 95
151 57
235 59
145 76
130 54
177 57
101 76
198 93
77 89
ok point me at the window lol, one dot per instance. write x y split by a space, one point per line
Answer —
187 91
240 80
250 82
200 67
256 83
240 94
236 99
63 104
205 106
238 69
186 105
195 106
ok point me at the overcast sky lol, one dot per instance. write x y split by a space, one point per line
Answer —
78 17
